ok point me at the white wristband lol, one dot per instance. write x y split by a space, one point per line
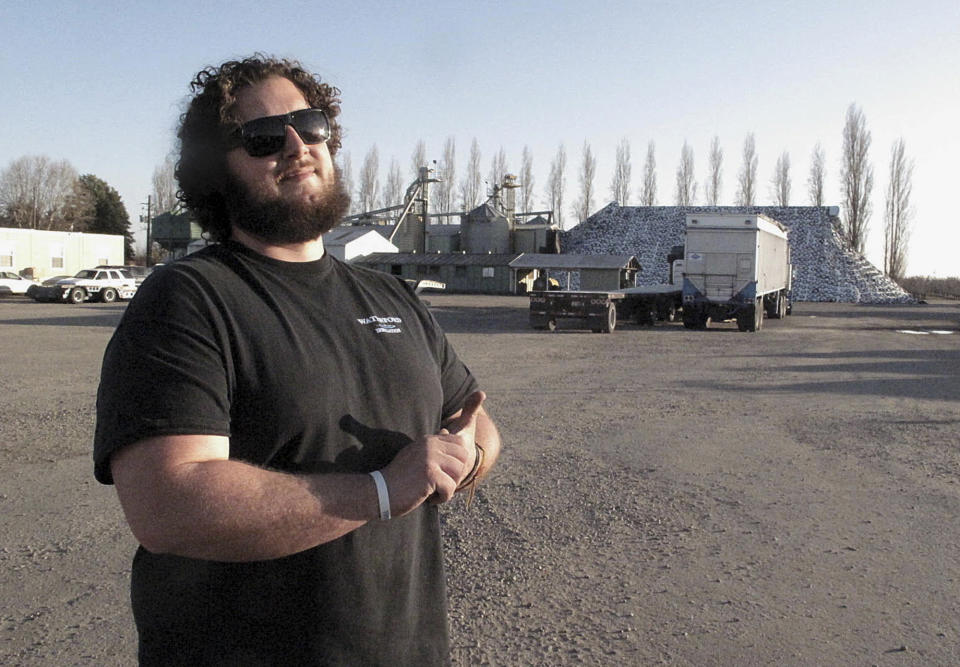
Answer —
382 494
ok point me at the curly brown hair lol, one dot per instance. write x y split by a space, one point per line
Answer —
210 118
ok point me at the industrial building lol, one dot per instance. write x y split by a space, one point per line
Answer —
41 254
494 249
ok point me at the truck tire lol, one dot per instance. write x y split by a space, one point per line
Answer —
770 306
751 318
77 295
108 295
611 322
778 311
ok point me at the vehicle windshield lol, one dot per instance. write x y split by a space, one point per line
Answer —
86 273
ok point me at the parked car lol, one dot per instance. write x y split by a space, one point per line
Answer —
11 283
139 273
106 285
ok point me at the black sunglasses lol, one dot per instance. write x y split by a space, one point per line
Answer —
265 136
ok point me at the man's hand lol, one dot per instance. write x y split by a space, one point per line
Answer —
465 422
428 468
432 467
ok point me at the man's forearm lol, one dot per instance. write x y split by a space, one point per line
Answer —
182 495
231 511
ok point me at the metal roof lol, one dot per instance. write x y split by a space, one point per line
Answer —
532 260
486 211
347 233
433 259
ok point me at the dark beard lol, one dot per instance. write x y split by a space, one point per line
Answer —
279 222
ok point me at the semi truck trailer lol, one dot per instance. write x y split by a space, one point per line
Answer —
735 267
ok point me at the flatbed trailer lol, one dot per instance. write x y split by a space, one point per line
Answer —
597 311
648 304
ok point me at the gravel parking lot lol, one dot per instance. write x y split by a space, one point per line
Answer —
665 496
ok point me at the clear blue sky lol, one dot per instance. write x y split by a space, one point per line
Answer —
101 85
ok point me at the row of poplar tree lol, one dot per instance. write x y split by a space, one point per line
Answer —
39 193
369 192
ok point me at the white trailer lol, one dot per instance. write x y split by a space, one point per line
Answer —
735 267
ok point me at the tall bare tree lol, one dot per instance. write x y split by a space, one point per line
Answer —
817 175
686 183
471 186
393 187
747 179
526 180
34 191
856 177
418 159
715 177
498 168
346 175
588 171
780 183
556 184
620 184
443 192
898 212
368 194
164 186
648 196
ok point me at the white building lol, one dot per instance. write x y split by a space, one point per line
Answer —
43 254
348 242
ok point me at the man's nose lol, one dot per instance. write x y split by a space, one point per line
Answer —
293 146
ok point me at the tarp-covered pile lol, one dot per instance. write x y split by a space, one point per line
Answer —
826 268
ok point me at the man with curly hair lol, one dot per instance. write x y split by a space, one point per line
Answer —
281 426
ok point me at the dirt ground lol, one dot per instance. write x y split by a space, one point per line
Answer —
665 496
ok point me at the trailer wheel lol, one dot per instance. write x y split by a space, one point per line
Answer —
78 295
551 324
611 322
745 320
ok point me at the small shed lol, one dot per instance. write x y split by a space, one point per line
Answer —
585 272
352 241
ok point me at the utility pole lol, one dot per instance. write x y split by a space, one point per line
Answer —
146 260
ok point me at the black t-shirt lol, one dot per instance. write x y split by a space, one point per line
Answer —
307 367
